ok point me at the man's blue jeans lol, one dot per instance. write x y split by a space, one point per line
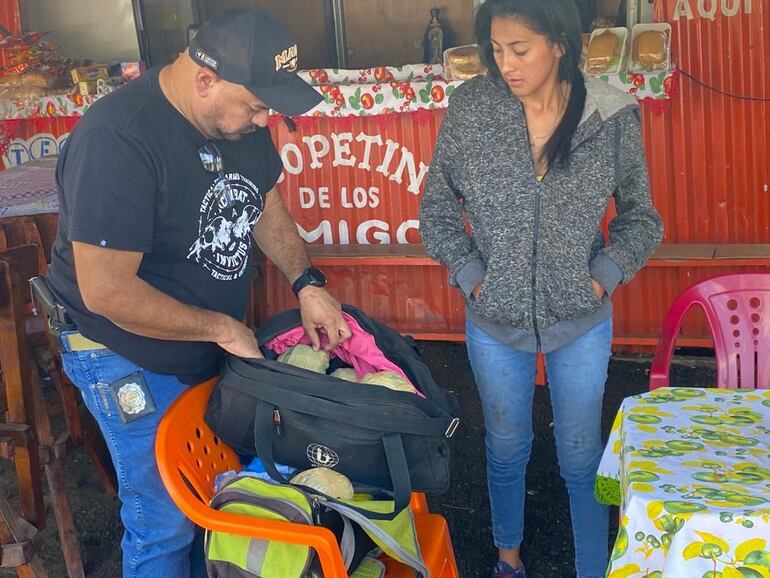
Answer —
158 537
505 379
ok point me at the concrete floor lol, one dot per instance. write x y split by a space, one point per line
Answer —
548 553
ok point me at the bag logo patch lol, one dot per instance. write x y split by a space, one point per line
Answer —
321 456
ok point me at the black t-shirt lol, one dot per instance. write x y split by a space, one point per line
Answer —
130 178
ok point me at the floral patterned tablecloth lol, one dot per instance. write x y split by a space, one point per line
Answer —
367 92
690 470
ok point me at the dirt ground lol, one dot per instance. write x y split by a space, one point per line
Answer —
547 553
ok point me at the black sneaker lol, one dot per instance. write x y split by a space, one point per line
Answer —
505 570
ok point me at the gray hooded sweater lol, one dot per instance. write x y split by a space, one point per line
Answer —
536 246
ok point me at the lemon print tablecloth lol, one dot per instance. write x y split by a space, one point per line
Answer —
690 470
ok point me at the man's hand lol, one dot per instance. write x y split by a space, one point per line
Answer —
321 311
237 339
598 289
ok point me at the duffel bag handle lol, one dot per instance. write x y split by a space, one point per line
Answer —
395 455
298 398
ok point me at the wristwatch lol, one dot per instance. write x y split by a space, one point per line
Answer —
312 276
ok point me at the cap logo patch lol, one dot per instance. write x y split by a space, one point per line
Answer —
287 60
206 59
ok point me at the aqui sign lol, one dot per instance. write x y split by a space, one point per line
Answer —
708 9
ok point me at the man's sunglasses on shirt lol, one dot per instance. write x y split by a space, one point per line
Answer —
211 159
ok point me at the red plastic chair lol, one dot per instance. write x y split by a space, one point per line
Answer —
737 307
190 456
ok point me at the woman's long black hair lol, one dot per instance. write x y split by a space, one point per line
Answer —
559 21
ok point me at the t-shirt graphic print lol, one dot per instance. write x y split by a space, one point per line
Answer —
225 228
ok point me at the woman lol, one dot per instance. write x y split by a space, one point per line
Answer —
532 153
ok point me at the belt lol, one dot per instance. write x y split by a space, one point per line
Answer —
78 342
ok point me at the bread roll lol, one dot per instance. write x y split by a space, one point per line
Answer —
601 51
650 49
464 62
463 55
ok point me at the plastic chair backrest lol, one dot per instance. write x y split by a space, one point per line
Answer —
189 456
737 308
197 453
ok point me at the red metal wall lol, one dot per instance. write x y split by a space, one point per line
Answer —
391 174
709 155
10 18
36 138
709 170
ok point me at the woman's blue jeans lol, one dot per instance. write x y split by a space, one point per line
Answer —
158 538
505 379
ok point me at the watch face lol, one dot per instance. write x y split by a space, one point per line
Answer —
316 277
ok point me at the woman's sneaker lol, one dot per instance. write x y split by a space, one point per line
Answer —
505 570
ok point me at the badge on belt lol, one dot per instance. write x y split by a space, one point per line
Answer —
132 397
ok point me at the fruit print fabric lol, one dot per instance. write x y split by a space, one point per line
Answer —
690 469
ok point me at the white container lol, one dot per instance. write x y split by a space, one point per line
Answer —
619 62
663 27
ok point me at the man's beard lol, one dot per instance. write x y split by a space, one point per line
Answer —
235 136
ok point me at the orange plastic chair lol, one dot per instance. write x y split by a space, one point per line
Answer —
737 308
190 456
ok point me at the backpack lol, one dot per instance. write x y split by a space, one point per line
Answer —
233 555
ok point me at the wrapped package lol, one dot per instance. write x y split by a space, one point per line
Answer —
326 481
388 379
306 357
89 73
346 373
601 51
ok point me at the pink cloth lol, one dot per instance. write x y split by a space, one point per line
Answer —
360 351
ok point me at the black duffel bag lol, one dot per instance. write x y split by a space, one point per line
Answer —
392 440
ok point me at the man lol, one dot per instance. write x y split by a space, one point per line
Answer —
162 184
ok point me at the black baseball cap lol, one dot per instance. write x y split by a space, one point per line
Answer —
248 47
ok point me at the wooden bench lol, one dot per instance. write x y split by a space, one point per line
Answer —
672 255
672 268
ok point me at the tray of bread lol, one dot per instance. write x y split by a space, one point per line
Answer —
650 47
606 52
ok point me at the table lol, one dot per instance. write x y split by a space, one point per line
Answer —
29 189
690 470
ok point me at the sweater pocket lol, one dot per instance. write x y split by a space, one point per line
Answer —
570 295
505 298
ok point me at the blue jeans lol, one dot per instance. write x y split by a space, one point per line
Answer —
576 375
158 537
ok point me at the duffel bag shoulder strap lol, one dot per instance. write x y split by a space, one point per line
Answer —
299 391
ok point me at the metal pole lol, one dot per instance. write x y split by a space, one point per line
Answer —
340 40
